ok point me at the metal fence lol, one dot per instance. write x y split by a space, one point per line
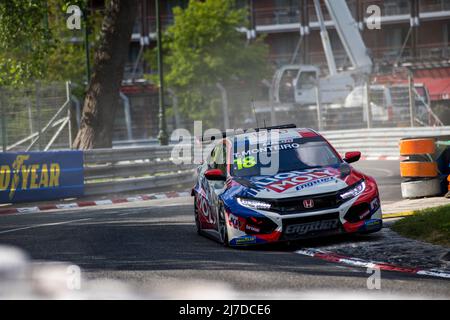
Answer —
152 168
376 107
45 116
35 117
381 141
133 169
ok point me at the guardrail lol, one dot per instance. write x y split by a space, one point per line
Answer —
151 167
376 142
132 169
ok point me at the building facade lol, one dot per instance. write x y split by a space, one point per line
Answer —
414 33
411 30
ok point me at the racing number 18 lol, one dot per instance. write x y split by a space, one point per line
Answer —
245 163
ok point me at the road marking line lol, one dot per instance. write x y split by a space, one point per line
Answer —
91 203
44 225
127 214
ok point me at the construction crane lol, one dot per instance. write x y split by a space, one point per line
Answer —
300 83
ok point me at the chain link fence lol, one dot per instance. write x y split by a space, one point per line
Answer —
377 106
46 116
35 117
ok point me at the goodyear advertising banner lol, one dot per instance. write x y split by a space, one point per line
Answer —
35 176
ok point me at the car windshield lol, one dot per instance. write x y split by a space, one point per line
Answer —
289 155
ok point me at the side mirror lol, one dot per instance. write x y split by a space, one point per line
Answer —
215 175
353 156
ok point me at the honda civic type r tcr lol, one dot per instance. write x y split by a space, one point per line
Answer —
256 189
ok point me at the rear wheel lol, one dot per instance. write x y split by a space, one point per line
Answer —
223 228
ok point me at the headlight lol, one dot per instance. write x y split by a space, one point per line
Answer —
254 204
354 192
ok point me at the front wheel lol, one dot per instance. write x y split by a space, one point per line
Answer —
197 218
223 227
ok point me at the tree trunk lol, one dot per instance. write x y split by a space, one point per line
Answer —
102 97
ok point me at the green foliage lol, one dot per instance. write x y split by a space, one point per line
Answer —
35 43
23 38
430 225
204 47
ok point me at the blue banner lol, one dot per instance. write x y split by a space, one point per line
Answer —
36 176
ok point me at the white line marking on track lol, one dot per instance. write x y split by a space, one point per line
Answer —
44 225
127 214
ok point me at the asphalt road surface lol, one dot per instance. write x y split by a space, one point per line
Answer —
154 245
387 175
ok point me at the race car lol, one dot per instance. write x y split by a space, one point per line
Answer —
282 184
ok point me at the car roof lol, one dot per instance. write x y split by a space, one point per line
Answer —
290 133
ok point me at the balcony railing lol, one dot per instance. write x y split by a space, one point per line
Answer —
279 15
276 15
384 55
284 15
166 21
434 6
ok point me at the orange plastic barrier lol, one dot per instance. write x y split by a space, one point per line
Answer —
417 146
412 169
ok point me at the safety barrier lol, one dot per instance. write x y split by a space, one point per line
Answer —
419 172
151 167
379 142
36 176
132 169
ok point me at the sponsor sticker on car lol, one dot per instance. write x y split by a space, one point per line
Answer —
245 240
304 228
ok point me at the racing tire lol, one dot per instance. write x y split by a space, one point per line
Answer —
196 217
223 227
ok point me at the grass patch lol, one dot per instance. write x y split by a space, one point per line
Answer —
429 225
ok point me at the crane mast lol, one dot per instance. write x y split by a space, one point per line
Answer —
349 34
325 40
336 86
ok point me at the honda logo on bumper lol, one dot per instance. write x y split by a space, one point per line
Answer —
308 204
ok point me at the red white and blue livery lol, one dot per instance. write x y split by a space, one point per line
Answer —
282 184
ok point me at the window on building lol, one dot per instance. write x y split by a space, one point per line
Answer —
447 39
393 42
394 7
286 11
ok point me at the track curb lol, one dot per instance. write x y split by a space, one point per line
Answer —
398 214
356 262
93 203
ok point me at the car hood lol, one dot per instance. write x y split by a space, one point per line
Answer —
296 183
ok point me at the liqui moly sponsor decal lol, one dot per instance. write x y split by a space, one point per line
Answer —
296 180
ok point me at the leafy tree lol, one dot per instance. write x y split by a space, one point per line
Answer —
102 97
204 47
35 45
23 40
